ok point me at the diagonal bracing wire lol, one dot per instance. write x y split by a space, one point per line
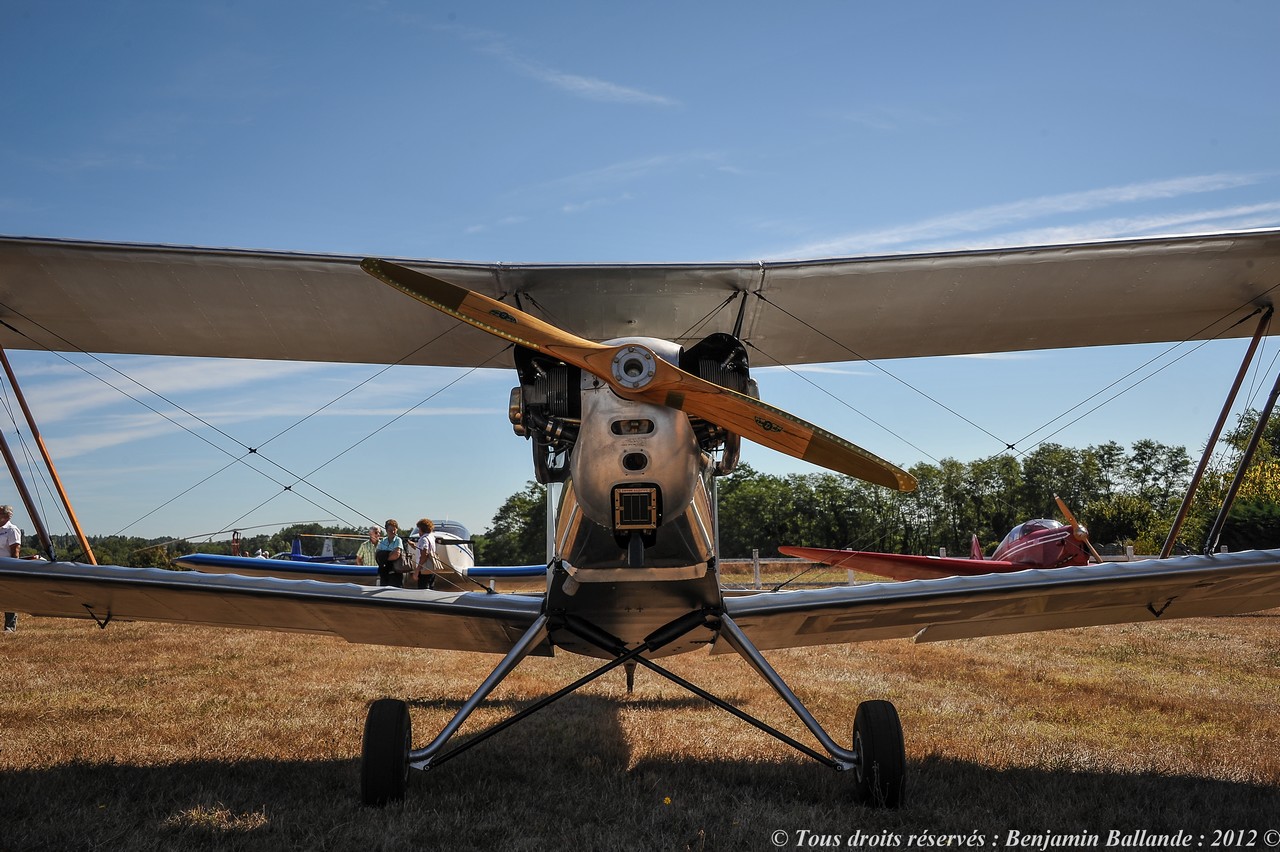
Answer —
882 369
386 425
235 459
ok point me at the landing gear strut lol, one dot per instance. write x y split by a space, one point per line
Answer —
877 760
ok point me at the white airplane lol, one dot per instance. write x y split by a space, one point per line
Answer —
637 428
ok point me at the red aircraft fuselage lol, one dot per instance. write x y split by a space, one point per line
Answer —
1042 543
1038 543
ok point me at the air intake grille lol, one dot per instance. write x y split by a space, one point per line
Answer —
635 508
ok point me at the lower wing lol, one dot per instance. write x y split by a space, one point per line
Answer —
897 566
1020 602
455 621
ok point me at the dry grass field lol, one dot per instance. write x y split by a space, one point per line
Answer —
148 736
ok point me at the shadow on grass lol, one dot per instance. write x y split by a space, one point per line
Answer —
515 705
568 774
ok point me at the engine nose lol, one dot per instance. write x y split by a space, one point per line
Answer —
634 462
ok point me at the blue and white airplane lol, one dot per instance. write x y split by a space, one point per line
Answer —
455 554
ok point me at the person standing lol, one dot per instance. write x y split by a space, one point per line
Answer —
367 554
11 546
390 556
425 563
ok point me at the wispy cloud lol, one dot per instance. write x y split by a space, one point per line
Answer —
976 221
580 206
599 180
591 88
1239 217
504 222
578 85
78 393
117 430
86 414
110 432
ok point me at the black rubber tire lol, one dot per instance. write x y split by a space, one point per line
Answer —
384 756
881 771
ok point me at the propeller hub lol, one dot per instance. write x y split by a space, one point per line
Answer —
634 366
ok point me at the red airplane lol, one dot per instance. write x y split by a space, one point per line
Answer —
1038 543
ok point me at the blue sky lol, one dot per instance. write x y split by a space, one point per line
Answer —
607 132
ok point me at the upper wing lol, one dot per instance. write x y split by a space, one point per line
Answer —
167 300
899 566
455 621
1021 602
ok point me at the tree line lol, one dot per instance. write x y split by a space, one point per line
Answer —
1125 496
140 552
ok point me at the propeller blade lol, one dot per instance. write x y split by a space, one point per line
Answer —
634 372
1066 513
1077 528
475 309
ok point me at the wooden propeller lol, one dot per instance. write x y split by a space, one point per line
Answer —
1077 529
633 371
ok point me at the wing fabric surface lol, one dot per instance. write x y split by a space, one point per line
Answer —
1019 602
172 300
455 621
899 566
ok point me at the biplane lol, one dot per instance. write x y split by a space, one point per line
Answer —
634 419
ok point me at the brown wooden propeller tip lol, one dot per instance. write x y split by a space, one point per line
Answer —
672 387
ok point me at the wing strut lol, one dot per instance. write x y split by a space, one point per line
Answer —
1167 550
1264 417
41 530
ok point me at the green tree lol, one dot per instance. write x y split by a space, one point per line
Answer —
1268 446
1157 472
1110 458
519 532
1051 469
995 486
1252 524
760 511
1118 518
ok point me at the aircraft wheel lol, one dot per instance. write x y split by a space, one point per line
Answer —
384 757
881 767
